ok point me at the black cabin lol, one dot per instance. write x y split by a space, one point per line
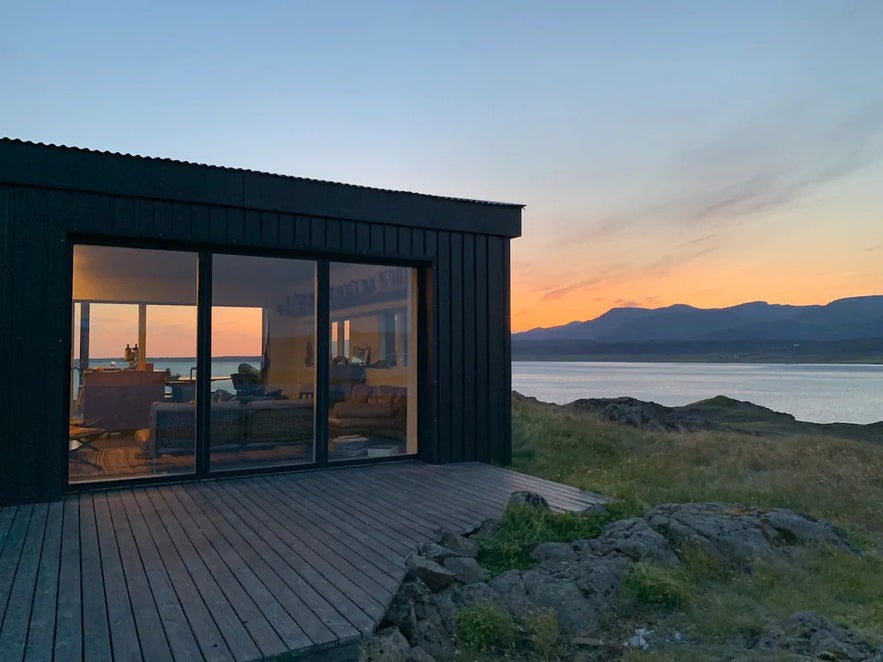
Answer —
165 321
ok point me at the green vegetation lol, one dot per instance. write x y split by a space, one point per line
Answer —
488 632
656 585
836 479
840 480
524 527
484 627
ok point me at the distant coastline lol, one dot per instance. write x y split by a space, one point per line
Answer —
858 351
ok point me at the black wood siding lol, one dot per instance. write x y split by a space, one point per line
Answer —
465 377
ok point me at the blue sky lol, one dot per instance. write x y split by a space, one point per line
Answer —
704 152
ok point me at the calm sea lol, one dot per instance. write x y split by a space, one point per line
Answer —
815 393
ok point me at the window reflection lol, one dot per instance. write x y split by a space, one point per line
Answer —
263 362
372 376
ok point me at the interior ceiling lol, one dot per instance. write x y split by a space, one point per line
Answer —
137 275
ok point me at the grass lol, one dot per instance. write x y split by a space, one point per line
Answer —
524 527
839 480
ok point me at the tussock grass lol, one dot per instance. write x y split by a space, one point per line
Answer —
840 480
523 527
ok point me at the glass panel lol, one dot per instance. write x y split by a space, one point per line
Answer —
263 366
134 342
373 374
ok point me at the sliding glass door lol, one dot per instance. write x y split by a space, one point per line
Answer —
372 385
263 363
133 346
136 374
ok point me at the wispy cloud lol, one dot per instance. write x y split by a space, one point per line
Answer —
567 289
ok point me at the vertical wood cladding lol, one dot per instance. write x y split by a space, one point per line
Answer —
465 376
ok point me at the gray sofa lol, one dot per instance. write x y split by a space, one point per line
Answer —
234 425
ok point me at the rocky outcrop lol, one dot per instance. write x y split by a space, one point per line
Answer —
580 582
641 414
739 536
809 635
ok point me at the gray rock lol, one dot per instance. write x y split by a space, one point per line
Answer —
466 570
632 538
787 527
430 573
738 535
468 594
809 634
434 552
489 528
575 613
458 545
509 593
401 612
600 579
420 655
554 552
524 498
435 626
388 645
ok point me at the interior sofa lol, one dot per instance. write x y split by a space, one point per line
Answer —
116 400
234 425
372 410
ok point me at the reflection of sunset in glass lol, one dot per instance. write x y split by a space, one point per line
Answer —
171 331
236 331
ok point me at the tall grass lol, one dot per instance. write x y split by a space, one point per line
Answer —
839 480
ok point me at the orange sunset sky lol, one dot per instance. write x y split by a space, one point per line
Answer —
683 152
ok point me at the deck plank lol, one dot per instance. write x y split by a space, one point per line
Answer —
14 635
242 560
359 524
233 569
96 630
148 624
173 621
124 639
11 554
68 609
203 627
374 559
228 622
7 515
296 538
41 629
313 613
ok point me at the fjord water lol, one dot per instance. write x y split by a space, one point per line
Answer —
814 393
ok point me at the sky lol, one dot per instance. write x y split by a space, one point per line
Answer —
707 153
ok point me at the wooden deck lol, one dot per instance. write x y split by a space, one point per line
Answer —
235 569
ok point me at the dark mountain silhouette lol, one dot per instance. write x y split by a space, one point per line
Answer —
844 319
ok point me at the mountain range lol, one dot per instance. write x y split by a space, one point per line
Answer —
840 320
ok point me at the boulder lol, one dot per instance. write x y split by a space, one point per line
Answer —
457 544
430 573
466 570
401 612
509 593
420 655
489 528
809 634
435 552
388 645
632 538
737 535
554 553
524 498
575 613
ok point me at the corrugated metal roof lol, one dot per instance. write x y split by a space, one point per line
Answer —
257 172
